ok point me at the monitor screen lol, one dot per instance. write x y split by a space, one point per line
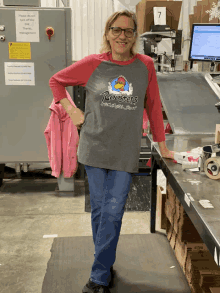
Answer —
205 42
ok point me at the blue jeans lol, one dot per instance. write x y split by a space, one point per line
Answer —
108 194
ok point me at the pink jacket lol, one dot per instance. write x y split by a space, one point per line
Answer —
62 141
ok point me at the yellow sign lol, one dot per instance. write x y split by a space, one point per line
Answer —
19 50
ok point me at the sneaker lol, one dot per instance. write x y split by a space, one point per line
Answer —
92 287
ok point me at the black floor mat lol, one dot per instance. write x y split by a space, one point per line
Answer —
28 185
39 185
143 264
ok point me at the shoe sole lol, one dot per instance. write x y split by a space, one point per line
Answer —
87 290
111 284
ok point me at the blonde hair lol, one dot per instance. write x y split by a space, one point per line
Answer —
105 46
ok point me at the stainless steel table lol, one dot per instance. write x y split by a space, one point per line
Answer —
198 185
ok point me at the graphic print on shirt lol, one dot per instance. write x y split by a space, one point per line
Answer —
119 91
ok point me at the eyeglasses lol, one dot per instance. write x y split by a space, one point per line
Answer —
129 32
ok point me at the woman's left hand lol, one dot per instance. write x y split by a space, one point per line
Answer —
165 153
168 154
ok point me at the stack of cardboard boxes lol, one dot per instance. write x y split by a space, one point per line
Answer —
198 265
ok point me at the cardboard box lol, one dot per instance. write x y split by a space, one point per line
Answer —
178 218
173 239
214 289
180 252
171 197
196 258
145 15
169 230
186 230
169 212
181 222
199 267
209 279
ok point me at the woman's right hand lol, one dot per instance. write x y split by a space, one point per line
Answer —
79 126
77 117
82 119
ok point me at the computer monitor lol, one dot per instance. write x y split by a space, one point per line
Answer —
205 42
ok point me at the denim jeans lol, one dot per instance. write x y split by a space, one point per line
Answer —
108 194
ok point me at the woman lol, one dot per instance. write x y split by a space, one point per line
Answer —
119 84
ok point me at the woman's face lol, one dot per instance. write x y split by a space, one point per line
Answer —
121 44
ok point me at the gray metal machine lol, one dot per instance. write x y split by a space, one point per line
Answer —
35 43
152 39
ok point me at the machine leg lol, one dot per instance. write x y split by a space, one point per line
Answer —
153 203
2 170
66 184
18 168
217 133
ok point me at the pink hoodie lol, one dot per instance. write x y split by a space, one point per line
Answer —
62 141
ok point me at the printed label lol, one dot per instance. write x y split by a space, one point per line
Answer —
206 204
187 200
216 256
190 197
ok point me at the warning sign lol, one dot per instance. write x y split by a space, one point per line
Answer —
19 50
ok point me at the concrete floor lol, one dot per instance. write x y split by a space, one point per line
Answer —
29 221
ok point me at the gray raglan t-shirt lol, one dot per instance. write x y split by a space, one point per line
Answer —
111 135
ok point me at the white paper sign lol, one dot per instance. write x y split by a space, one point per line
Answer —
160 16
27 26
19 73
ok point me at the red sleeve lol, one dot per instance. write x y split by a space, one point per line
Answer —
153 105
75 74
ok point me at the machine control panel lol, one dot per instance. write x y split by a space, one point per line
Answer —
2 37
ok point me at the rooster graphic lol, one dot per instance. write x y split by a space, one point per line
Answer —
120 84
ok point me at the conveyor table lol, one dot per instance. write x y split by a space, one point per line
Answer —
189 102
